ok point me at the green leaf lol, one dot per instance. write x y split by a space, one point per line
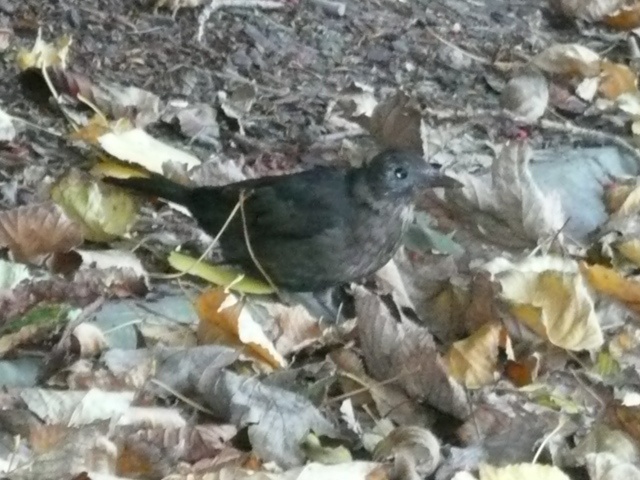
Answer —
219 275
105 212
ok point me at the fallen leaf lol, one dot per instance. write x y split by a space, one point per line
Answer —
396 122
138 147
473 361
569 59
406 352
220 275
616 79
626 18
418 443
609 282
523 471
44 54
548 295
104 212
224 319
34 231
589 10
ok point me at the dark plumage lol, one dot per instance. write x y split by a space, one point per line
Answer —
314 229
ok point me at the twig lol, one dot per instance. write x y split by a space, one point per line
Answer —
218 4
206 252
178 395
568 127
332 8
369 387
478 58
248 243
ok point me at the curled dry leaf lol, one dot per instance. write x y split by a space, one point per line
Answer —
396 122
90 338
526 95
417 442
568 59
297 327
104 212
34 231
549 295
113 100
224 319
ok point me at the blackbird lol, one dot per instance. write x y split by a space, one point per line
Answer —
310 230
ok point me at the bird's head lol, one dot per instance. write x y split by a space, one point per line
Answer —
402 173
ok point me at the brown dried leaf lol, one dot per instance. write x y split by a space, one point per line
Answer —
589 10
396 122
569 59
616 79
224 319
627 18
407 352
33 231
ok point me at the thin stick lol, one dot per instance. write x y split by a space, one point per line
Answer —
367 388
56 97
547 439
218 4
207 251
248 243
178 395
568 127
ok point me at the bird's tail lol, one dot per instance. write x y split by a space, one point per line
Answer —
155 185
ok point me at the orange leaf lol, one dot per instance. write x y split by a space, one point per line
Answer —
616 79
609 282
626 18
224 319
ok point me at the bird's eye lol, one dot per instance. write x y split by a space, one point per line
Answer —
400 173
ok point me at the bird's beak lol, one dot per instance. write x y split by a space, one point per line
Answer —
435 178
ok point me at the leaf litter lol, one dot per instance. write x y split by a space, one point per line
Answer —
502 345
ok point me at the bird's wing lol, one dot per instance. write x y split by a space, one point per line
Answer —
298 206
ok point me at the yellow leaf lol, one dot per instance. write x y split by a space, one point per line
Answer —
549 295
616 79
139 148
44 54
473 361
224 319
104 212
522 471
609 282
630 249
219 275
117 169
